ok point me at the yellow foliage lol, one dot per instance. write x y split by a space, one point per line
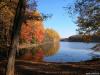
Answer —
51 35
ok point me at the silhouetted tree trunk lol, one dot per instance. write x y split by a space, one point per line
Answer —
15 36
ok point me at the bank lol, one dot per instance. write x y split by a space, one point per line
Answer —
47 68
96 47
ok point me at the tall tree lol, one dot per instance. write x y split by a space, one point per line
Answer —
19 18
15 36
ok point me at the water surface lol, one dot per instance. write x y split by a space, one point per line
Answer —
61 52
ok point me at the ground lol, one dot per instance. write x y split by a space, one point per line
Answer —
44 68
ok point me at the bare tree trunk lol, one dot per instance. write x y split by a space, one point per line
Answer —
15 37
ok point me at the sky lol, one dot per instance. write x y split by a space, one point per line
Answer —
60 21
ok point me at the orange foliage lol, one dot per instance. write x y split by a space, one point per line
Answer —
38 31
32 29
26 32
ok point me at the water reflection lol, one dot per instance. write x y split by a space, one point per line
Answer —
74 52
56 52
35 54
51 48
38 53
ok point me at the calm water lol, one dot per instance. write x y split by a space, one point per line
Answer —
73 52
60 52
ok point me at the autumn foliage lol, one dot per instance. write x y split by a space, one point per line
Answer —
51 35
32 30
87 38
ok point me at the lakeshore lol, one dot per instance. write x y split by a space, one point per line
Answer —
26 67
47 68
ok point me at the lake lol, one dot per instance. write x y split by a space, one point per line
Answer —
60 52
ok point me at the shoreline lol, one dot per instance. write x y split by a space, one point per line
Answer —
47 68
23 67
22 46
77 41
96 47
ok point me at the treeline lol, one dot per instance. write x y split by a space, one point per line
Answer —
82 38
19 23
33 31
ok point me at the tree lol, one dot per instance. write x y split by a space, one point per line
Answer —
32 30
51 35
15 37
18 19
7 13
88 19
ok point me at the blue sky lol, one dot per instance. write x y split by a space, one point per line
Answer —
60 21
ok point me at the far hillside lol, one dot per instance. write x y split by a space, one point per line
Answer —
82 38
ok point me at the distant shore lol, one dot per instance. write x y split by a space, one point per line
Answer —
79 38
